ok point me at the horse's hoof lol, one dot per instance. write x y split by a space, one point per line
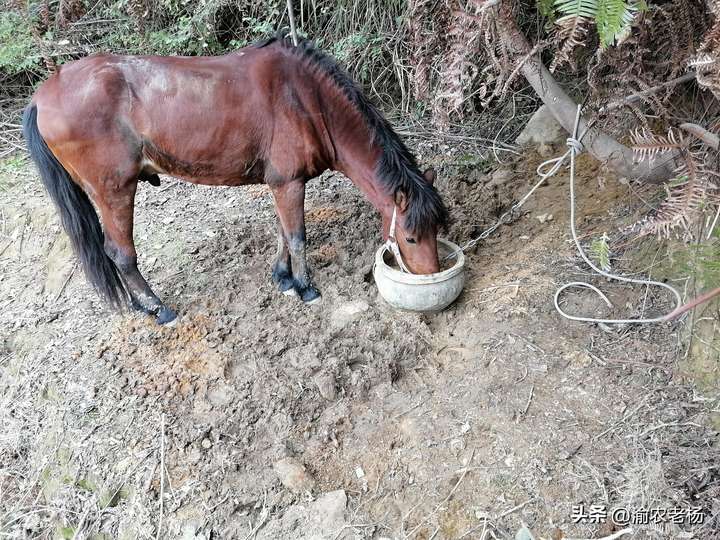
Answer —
285 283
167 317
310 296
135 306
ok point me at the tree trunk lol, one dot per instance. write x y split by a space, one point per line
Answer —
601 146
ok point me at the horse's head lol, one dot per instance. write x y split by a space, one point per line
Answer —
419 252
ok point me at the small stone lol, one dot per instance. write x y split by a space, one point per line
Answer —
545 150
544 218
206 444
141 392
194 456
524 534
326 386
293 475
349 312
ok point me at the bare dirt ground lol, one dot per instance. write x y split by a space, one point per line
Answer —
258 417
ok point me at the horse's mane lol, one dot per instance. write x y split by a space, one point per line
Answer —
397 167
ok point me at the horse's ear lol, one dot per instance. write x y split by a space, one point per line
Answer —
430 175
401 201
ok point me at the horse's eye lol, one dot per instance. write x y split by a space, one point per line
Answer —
410 240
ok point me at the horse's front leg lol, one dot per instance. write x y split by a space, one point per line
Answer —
290 208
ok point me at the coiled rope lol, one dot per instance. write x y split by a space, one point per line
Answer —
575 148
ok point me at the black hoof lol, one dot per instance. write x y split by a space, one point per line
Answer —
166 316
284 281
287 286
310 295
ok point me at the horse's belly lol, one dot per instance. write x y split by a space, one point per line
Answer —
205 168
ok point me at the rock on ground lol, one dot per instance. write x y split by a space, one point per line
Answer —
293 475
541 129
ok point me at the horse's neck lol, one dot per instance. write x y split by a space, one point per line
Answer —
358 160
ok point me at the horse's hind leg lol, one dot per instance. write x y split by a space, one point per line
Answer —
290 208
282 268
116 209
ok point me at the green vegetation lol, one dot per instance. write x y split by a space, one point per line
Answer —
613 18
600 252
365 36
16 44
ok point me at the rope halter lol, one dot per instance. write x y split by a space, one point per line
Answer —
392 245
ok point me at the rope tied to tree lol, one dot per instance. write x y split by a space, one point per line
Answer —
552 166
574 149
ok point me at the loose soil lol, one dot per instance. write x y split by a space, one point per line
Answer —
494 415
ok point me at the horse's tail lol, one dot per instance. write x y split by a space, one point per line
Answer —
77 215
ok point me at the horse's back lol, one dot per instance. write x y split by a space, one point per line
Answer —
99 86
206 119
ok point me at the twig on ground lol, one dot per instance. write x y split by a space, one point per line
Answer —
398 415
482 535
264 514
4 248
81 524
622 420
67 280
663 426
527 405
516 508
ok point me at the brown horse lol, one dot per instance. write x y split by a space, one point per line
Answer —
271 112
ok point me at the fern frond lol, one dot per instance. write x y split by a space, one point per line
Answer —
702 61
707 67
614 19
600 251
571 33
578 8
711 39
647 145
693 191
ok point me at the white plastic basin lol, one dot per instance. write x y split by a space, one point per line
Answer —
423 293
